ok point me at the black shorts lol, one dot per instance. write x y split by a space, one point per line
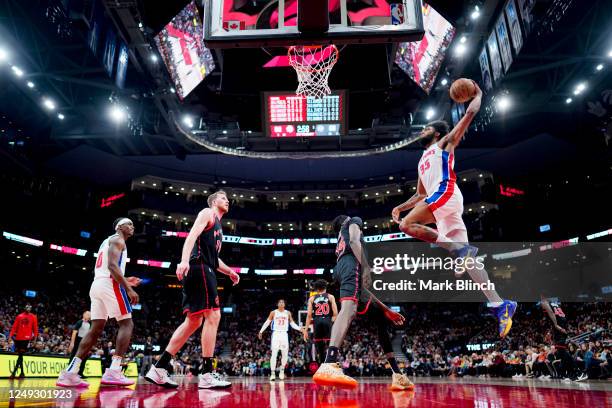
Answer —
347 273
322 329
200 289
21 346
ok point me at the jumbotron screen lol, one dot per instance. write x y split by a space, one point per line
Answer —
289 115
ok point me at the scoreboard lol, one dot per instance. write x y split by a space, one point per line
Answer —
289 115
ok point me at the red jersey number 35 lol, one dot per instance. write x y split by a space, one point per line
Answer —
424 166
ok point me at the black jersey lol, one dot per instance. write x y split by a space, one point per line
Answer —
321 307
208 245
343 247
559 338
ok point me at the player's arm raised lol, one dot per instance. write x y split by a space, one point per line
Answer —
308 317
266 324
455 135
334 306
226 270
420 195
115 248
204 218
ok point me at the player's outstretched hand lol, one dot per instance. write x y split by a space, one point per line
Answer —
182 270
134 298
395 318
234 277
305 332
478 90
395 214
133 281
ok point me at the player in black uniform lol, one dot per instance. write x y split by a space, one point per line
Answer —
199 262
352 272
560 339
322 311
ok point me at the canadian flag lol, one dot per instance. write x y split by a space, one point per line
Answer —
234 25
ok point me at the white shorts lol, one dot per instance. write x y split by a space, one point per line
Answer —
109 300
448 217
280 341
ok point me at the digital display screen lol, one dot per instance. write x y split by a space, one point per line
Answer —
278 253
290 115
421 60
30 293
181 46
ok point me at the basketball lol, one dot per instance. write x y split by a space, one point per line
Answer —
462 90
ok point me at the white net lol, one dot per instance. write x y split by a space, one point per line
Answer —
313 65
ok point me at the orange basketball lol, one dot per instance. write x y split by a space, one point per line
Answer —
462 90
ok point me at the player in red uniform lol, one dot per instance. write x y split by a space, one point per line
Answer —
322 311
25 329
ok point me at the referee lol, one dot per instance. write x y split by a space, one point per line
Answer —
79 331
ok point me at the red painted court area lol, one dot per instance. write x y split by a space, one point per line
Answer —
303 394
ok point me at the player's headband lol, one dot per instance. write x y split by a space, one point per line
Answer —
122 221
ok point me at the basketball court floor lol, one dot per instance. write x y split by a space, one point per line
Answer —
302 393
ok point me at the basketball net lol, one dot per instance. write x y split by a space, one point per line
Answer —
313 64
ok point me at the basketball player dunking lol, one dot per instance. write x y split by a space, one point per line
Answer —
322 311
438 200
111 294
200 300
352 272
281 319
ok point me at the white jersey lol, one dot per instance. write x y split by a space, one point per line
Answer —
101 269
280 322
436 172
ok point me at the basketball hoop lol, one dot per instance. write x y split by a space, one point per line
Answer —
313 64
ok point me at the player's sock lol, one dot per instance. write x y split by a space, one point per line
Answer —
394 365
332 355
207 365
116 363
164 360
74 365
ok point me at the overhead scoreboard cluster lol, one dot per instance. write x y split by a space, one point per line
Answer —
287 115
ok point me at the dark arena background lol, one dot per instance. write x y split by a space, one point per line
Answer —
126 117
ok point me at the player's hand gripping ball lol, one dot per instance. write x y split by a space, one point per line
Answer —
462 90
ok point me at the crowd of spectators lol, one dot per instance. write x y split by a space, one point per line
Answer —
434 340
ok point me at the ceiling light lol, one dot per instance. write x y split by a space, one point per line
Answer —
154 58
475 14
30 84
3 54
49 104
188 121
117 114
430 114
61 116
504 103
17 71
568 100
460 49
444 82
599 67
463 39
580 88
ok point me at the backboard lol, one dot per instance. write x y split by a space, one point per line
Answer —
261 23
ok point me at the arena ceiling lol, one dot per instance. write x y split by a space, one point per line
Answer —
384 105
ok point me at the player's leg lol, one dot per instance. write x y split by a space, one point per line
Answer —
275 344
20 346
212 318
114 374
414 224
284 349
70 376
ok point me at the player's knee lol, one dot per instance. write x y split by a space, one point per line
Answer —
126 324
214 318
194 321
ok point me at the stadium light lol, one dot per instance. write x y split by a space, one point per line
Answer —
580 88
463 39
460 49
49 104
30 84
188 121
117 114
444 82
430 114
610 54
599 67
568 101
3 54
154 58
61 116
504 103
17 71
476 13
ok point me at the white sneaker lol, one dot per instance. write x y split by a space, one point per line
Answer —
281 375
582 377
160 376
212 380
115 377
273 376
68 379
